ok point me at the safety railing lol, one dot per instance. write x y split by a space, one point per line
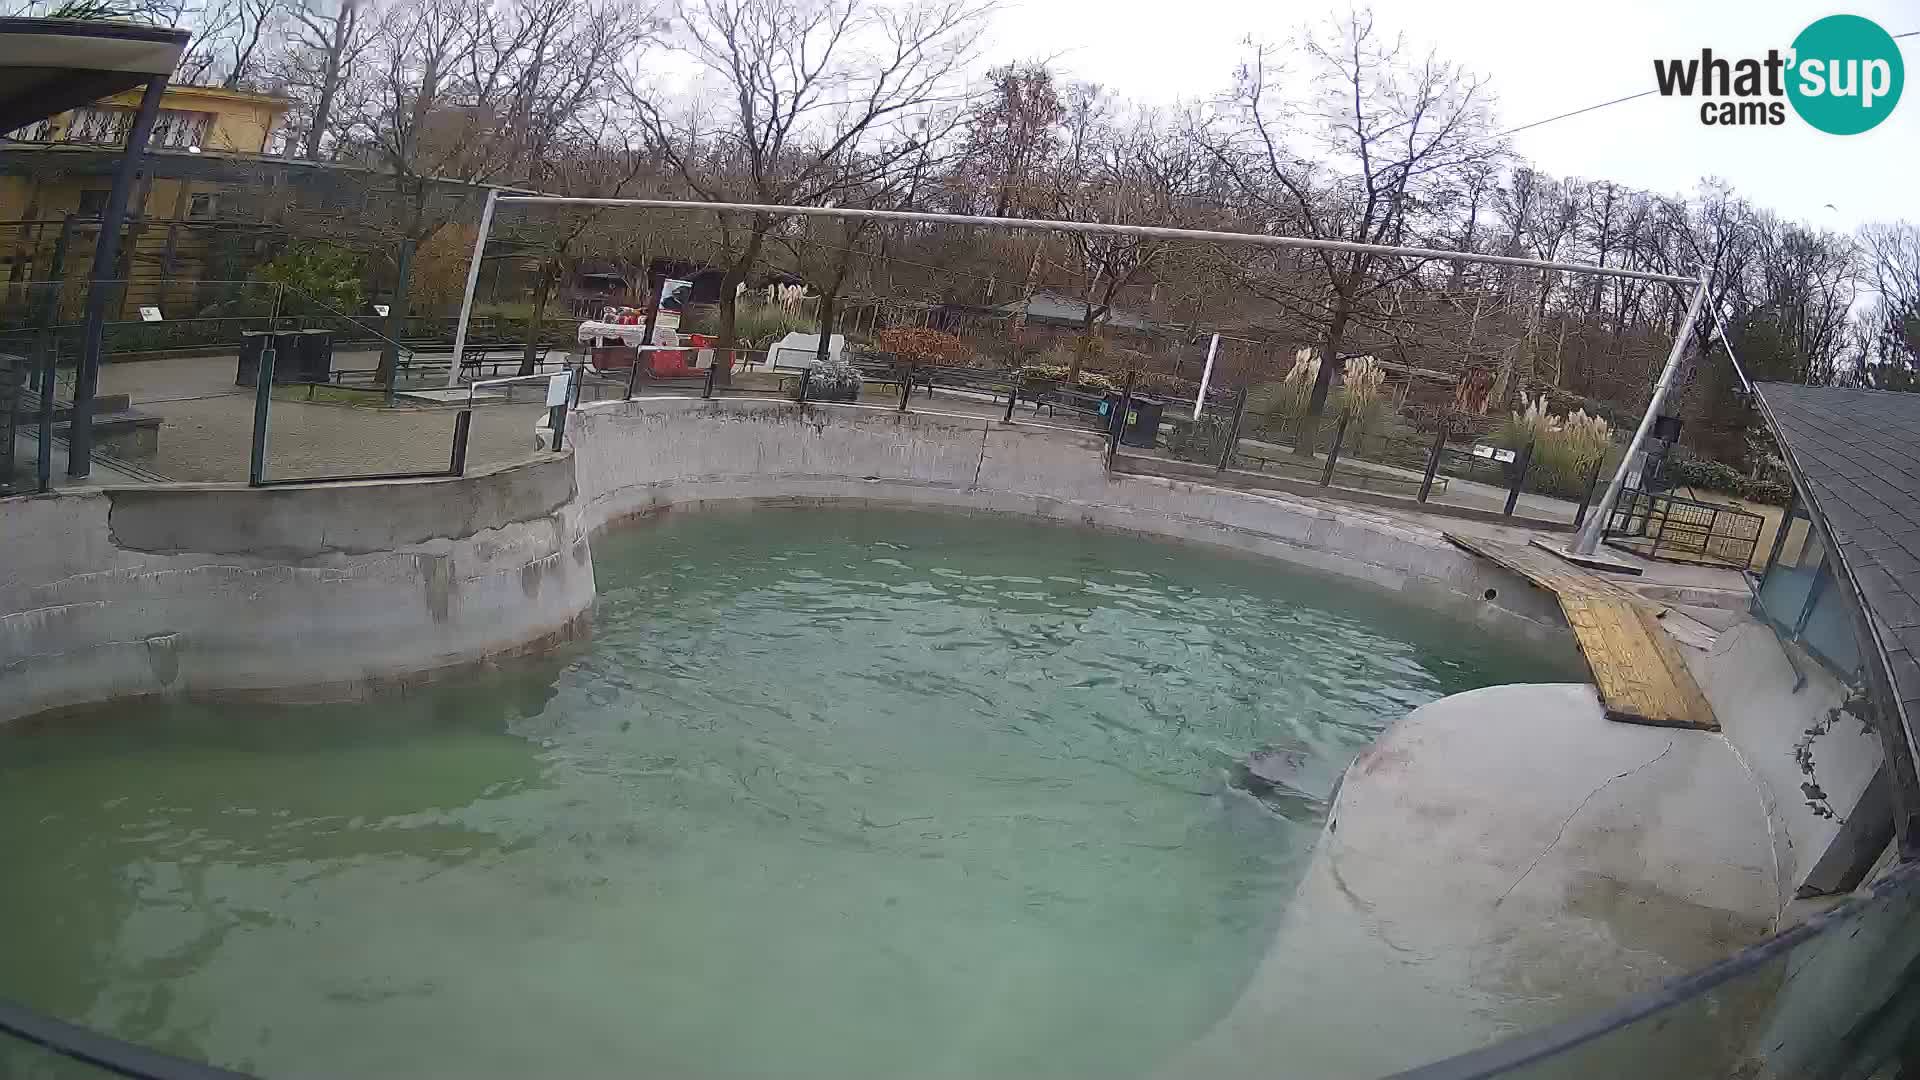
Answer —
1677 529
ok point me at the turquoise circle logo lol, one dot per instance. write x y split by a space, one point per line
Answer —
1847 74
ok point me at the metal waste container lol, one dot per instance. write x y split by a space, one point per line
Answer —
314 350
1142 422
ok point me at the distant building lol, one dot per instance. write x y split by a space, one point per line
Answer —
64 165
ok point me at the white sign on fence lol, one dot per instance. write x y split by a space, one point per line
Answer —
150 314
381 310
1491 453
557 389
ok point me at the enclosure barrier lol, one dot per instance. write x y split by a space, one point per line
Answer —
1676 529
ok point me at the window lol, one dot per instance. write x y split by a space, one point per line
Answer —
1805 602
173 129
201 206
37 132
93 202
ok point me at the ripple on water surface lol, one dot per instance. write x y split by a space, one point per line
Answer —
833 793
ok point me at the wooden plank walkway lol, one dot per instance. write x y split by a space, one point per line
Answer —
1638 668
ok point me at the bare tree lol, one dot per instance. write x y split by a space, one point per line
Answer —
1390 136
820 95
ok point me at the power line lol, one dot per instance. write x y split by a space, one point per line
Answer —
1576 112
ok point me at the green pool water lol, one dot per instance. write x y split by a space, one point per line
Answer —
829 793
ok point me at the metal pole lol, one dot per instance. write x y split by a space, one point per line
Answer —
1433 459
1118 421
106 254
1013 395
1520 467
1586 493
462 422
473 281
1588 538
1206 376
906 386
44 470
1333 452
1233 432
806 376
707 390
1152 232
262 403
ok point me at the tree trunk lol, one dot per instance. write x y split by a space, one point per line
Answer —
1309 435
1083 346
548 271
396 314
736 273
828 309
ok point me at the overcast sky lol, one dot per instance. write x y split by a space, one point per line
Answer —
1543 59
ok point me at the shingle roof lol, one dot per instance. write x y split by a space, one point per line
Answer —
1857 455
1051 307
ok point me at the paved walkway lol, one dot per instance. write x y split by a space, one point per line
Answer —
206 430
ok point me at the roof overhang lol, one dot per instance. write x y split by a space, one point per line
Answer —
48 66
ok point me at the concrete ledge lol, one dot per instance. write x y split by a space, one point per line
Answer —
327 592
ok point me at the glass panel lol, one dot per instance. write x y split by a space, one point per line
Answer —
1783 594
1829 633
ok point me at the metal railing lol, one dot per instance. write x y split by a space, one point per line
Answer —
1676 529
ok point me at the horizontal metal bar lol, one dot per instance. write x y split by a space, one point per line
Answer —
290 481
1149 231
103 1051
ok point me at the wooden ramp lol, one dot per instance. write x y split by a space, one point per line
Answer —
1637 667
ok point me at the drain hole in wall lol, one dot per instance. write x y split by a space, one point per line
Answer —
1491 593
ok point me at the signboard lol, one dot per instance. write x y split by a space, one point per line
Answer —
1491 453
557 389
381 310
150 314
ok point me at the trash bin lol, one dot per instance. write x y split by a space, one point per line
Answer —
251 342
1143 421
314 351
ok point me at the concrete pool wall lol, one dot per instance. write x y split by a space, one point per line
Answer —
334 590
649 455
299 593
331 591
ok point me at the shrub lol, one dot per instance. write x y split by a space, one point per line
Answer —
1360 397
923 345
1709 475
1092 380
317 277
754 324
1277 404
835 379
1564 450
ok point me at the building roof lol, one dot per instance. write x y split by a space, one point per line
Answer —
48 66
1052 307
1855 456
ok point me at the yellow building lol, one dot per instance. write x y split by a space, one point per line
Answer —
64 165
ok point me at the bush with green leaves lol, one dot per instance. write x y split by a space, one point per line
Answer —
1057 373
316 278
1709 475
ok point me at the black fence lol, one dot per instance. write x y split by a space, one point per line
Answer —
1684 530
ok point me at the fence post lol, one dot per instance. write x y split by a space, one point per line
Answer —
1233 432
1333 452
262 402
806 376
44 469
1520 467
1013 393
1586 493
633 370
906 386
462 421
1433 459
707 390
1118 421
